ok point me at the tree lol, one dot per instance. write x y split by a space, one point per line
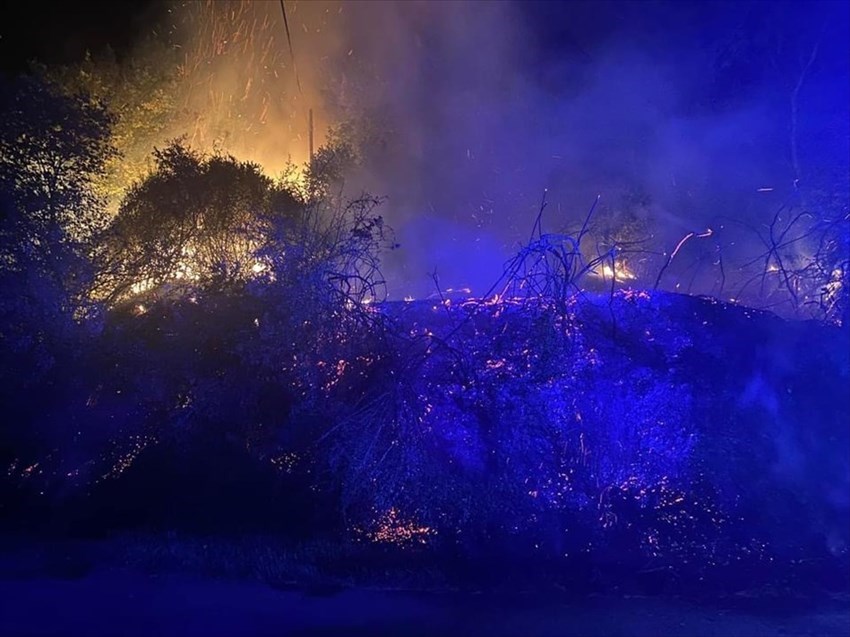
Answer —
195 219
140 96
326 173
53 148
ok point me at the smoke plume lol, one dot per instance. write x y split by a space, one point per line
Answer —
678 118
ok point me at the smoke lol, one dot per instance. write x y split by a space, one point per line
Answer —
470 110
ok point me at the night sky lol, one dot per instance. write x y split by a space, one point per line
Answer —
61 32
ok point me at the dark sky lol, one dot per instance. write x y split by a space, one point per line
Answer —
60 32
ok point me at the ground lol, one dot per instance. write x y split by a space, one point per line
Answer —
131 604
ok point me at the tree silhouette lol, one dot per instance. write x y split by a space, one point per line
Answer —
53 148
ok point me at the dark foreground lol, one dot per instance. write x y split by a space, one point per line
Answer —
116 605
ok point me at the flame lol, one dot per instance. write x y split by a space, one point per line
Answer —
621 271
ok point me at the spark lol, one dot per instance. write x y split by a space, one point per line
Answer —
392 528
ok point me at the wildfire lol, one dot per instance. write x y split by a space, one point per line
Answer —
237 81
189 271
217 73
620 272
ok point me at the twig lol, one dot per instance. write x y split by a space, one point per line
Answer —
538 221
681 243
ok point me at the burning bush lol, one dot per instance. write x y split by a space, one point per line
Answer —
193 220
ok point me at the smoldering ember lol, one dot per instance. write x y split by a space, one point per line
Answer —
425 318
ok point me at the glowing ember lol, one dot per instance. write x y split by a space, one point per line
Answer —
125 460
392 528
620 272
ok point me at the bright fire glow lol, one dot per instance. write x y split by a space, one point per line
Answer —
218 73
622 272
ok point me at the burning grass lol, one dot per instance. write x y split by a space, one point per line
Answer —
544 422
